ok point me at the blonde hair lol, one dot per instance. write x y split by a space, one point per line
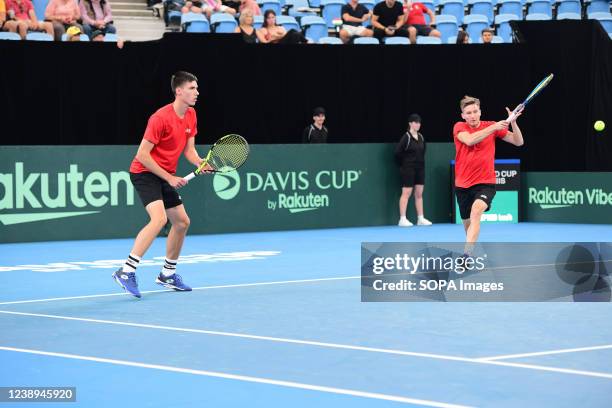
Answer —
244 14
468 100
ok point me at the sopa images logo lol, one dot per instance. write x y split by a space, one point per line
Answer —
226 185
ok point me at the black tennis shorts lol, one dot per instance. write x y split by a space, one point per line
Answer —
412 175
467 196
152 188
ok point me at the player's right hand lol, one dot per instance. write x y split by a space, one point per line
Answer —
177 182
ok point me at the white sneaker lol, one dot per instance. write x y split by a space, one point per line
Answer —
403 222
423 221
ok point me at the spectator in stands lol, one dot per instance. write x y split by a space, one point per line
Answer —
416 23
23 18
246 28
63 14
215 6
2 14
316 133
272 33
98 36
462 37
354 15
388 20
73 34
250 5
96 15
410 155
486 35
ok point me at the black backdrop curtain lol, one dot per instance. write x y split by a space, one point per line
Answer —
74 93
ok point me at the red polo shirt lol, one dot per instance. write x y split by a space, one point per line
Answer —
416 14
169 134
475 164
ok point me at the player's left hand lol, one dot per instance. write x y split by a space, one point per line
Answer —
519 112
207 169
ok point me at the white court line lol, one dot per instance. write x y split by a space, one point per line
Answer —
323 344
239 285
260 380
546 353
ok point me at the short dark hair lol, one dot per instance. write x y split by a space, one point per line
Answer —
179 78
487 30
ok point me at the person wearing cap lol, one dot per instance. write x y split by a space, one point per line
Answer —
23 18
63 14
410 155
73 34
316 133
96 15
486 36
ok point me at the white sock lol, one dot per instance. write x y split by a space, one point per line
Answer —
131 263
421 217
402 217
169 267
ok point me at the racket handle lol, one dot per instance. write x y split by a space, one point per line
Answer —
189 176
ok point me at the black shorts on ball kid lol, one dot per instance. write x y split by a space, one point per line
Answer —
412 175
152 188
467 196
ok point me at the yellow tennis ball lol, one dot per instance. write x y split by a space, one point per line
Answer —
599 125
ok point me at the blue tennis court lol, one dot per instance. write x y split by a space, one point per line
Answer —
275 319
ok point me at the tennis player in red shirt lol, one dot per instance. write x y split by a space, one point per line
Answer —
475 162
170 132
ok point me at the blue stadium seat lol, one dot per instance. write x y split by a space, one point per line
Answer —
39 37
83 37
289 22
331 10
568 16
447 25
195 23
257 22
537 17
598 6
510 7
5 35
369 4
223 23
474 24
497 40
315 27
568 6
273 5
110 37
502 21
421 39
483 8
539 7
604 18
329 40
39 8
396 41
365 40
295 5
452 8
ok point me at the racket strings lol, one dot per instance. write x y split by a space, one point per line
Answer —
230 151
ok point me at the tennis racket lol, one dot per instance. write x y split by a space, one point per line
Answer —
532 95
227 154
